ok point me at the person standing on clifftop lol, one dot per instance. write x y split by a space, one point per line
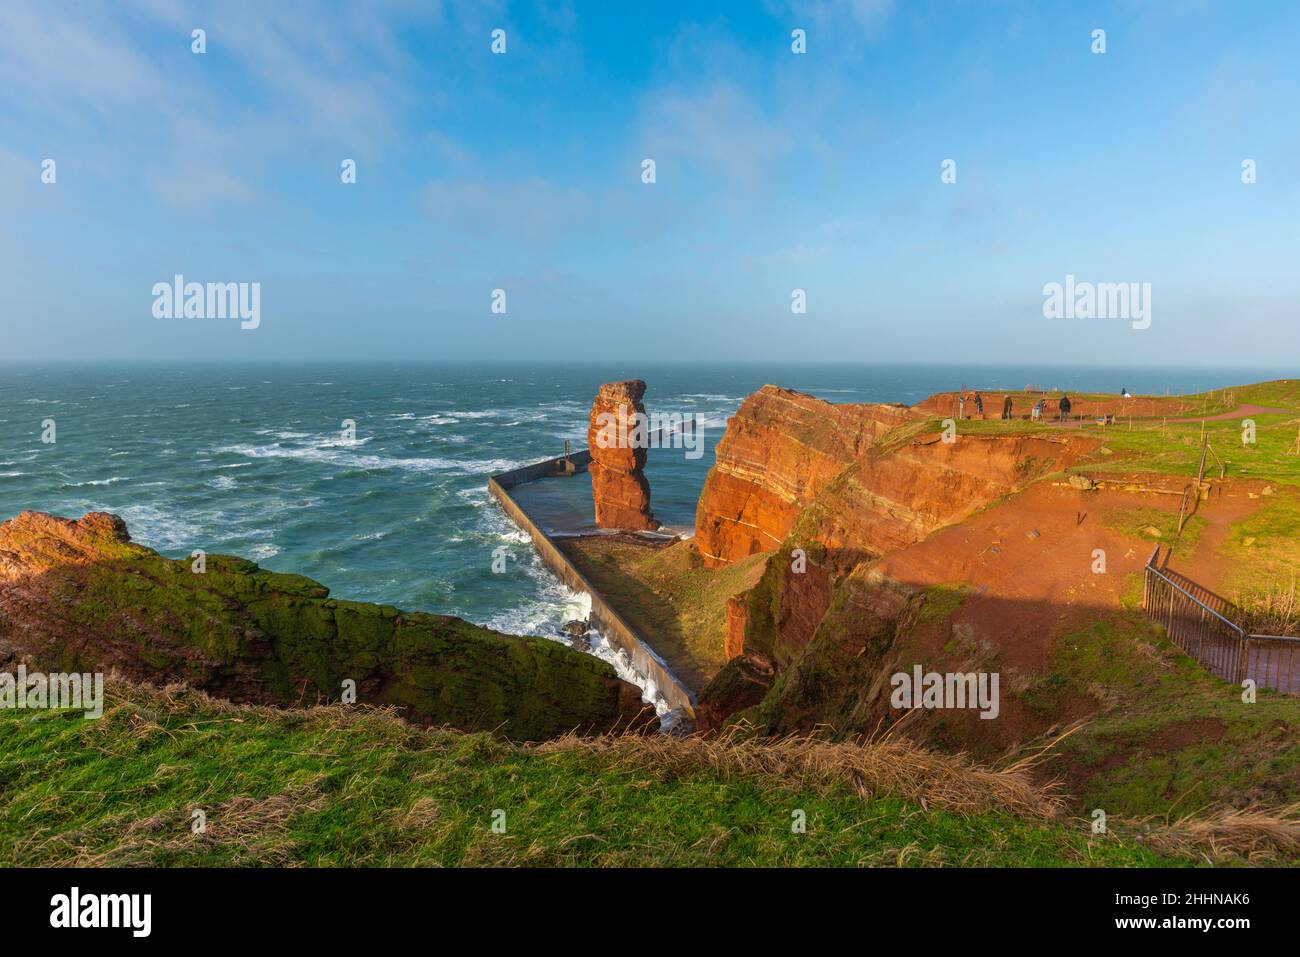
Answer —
1006 408
1037 413
961 406
1065 407
979 405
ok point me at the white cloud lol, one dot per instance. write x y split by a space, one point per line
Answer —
718 128
531 210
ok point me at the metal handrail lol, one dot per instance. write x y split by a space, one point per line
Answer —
1212 650
1173 584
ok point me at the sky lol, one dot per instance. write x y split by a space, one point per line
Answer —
775 171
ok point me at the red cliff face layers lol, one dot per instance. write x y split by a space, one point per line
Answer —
618 453
779 451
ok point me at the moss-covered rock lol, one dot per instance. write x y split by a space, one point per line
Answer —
79 596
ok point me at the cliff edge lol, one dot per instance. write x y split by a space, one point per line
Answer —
81 596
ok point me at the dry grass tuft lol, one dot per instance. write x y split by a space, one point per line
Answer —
1257 835
884 767
253 830
1274 610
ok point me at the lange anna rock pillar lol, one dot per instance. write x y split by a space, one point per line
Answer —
617 438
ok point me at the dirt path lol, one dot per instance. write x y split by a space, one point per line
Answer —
1240 412
1227 505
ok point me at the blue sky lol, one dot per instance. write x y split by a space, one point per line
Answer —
775 171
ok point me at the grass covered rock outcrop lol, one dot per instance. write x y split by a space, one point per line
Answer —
80 596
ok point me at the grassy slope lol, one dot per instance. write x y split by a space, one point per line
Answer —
1265 553
340 786
257 635
669 596
1154 445
1169 734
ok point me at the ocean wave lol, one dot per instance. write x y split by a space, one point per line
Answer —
557 604
330 454
477 414
152 526
223 482
259 553
108 481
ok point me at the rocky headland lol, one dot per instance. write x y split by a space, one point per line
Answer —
81 596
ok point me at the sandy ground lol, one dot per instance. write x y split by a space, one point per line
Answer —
1030 561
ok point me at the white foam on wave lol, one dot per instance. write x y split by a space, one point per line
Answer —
259 553
459 414
153 527
557 604
223 482
337 454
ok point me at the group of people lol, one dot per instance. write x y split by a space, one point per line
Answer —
1036 413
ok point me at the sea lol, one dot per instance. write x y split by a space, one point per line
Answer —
371 478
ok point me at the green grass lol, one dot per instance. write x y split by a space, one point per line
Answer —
1169 735
1267 540
341 786
1177 449
669 596
1154 525
1154 445
942 601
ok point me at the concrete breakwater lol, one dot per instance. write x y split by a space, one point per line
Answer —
604 617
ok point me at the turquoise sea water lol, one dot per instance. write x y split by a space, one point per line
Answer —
250 460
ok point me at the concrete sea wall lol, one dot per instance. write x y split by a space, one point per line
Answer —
604 617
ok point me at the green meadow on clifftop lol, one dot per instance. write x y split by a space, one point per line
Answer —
355 786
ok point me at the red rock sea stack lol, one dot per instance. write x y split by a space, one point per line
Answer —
618 483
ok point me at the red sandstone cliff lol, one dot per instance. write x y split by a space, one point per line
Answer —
779 451
618 484
881 503
808 481
876 506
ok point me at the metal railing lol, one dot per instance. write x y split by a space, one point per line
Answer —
1200 623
